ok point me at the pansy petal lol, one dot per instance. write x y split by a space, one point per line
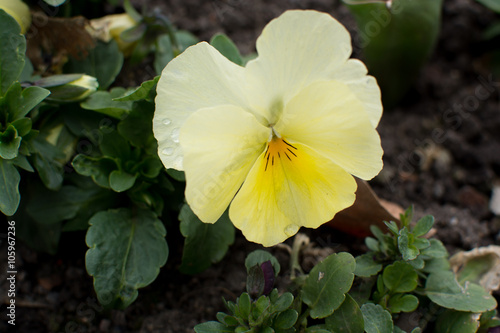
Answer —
299 189
220 146
200 77
330 119
354 74
296 49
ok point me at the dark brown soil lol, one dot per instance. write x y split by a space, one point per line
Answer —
442 154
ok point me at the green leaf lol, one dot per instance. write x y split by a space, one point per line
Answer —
12 50
407 249
377 320
22 125
436 265
346 319
104 62
436 250
145 91
400 277
165 52
126 250
283 302
423 225
9 143
286 319
97 168
257 257
325 287
9 188
372 244
102 102
205 243
22 162
120 181
244 305
366 266
443 289
494 5
396 40
212 327
227 48
457 322
137 127
402 303
114 145
47 162
21 101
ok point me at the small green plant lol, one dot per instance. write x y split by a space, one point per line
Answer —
402 284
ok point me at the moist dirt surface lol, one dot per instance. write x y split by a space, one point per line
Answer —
442 154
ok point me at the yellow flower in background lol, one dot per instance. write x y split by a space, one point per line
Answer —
19 11
278 140
111 26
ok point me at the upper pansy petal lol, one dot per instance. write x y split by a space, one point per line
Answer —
200 77
298 187
330 119
354 74
220 146
294 50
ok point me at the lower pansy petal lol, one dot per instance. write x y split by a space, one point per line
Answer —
329 118
289 186
220 146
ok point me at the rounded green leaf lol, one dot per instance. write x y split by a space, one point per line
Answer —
377 320
366 266
325 287
443 289
400 277
346 319
126 250
457 322
402 303
120 181
286 319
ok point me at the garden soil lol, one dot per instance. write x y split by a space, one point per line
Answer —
442 154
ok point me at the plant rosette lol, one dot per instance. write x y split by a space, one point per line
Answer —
278 140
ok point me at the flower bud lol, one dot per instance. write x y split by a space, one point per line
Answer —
111 26
69 87
19 11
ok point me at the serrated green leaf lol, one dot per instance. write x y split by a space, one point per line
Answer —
443 289
376 319
47 162
325 287
257 257
126 250
205 243
99 168
435 250
244 305
402 303
12 50
366 266
9 143
286 319
283 302
407 249
102 102
137 127
347 318
9 188
146 91
21 101
457 322
120 181
212 327
400 277
103 62
423 226
114 145
227 48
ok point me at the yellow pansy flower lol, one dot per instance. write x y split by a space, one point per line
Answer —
278 140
